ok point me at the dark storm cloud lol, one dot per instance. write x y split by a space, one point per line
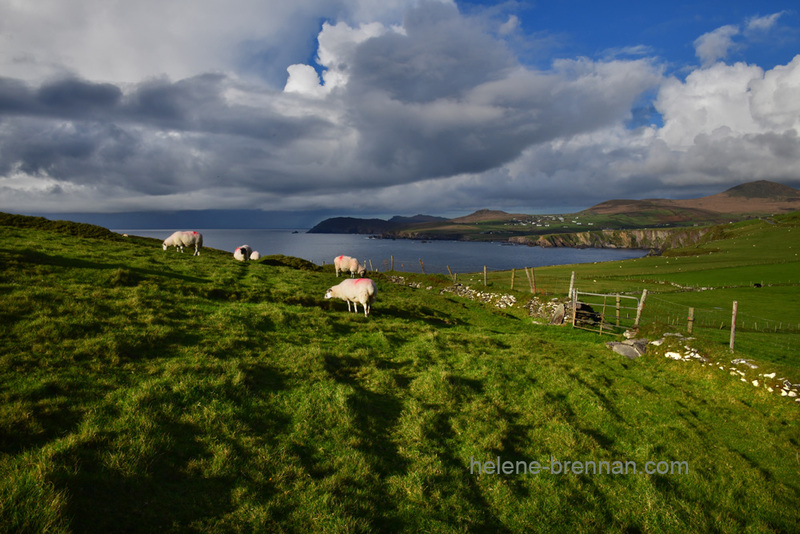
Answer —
148 140
78 97
69 97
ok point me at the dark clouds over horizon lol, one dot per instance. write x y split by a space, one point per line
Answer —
420 108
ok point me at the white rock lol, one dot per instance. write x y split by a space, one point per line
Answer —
792 394
673 355
771 375
755 383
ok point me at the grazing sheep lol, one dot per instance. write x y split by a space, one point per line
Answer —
359 290
339 262
348 264
242 253
255 255
184 239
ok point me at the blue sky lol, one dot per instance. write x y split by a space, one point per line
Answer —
664 29
300 109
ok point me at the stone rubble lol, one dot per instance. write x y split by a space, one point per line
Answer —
765 380
497 299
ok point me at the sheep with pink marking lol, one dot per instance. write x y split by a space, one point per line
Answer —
356 290
180 240
242 253
346 264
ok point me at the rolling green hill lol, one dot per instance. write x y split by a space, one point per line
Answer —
152 391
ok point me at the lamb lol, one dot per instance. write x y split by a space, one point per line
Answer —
359 290
184 239
346 263
242 253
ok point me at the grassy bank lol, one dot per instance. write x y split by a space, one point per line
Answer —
145 391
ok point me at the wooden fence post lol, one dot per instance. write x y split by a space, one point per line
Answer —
640 308
451 274
422 266
618 304
530 282
574 306
370 265
533 278
513 272
733 322
691 320
391 267
571 283
484 276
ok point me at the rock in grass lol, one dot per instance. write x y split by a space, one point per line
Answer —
631 349
558 315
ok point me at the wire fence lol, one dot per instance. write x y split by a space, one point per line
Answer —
750 334
775 339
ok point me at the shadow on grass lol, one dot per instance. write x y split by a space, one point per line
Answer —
50 414
36 257
181 485
163 497
457 476
376 415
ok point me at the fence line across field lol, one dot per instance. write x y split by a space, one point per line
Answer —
390 263
737 329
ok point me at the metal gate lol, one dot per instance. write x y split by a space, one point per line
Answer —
604 313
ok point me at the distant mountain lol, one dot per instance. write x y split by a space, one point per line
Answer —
354 225
416 219
486 215
753 198
763 189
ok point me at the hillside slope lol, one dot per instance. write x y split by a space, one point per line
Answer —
151 391
760 197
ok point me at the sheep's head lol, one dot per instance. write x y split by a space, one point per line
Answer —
164 245
329 293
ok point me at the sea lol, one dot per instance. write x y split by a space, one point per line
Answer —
406 254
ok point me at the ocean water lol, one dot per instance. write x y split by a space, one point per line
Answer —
460 256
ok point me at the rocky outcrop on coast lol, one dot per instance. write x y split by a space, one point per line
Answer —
656 239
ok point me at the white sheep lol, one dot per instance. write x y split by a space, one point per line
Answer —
255 255
184 239
242 253
358 290
348 264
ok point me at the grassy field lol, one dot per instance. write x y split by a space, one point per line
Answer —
151 391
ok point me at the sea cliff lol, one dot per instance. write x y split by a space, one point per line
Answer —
657 239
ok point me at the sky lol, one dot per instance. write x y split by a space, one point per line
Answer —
282 112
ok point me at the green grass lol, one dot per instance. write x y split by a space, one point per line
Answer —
145 391
709 277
